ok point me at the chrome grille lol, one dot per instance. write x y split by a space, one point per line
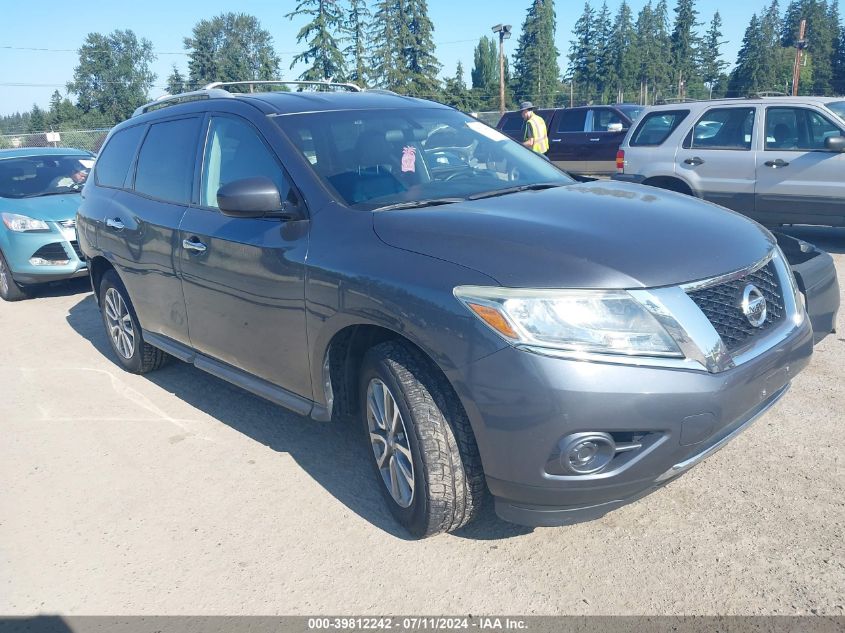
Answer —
721 305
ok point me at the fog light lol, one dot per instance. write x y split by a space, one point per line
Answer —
586 453
38 261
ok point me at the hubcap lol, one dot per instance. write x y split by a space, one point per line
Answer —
389 440
119 324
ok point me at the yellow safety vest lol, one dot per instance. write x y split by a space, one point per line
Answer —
538 132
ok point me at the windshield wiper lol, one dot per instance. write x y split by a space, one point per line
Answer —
51 193
503 192
415 204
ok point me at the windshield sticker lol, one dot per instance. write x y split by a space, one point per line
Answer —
409 158
486 130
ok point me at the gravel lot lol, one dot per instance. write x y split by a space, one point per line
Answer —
176 493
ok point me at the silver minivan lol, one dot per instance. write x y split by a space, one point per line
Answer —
778 160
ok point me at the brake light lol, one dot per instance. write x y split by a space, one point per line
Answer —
620 161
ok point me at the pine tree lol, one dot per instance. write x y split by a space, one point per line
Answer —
710 63
456 93
357 25
684 45
485 73
746 76
623 42
321 36
605 69
176 82
37 120
583 53
838 86
421 64
389 36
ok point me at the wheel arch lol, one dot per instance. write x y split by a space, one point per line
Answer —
671 183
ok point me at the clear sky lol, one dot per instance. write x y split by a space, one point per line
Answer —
458 25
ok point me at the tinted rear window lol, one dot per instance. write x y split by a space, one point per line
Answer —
572 121
166 162
656 127
513 123
114 161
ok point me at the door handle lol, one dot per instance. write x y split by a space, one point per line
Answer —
194 245
595 140
114 223
694 161
776 163
557 140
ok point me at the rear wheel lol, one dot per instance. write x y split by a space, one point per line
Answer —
9 289
424 453
123 330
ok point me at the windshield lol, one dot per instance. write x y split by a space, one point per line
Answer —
409 157
838 108
32 176
633 112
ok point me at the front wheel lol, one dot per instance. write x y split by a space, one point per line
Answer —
424 453
124 331
9 290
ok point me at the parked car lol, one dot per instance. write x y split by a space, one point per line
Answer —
39 195
582 140
491 324
778 160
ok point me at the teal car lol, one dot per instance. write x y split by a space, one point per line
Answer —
39 195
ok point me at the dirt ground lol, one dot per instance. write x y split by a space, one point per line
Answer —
176 493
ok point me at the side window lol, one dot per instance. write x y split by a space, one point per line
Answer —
513 123
234 151
166 162
797 129
723 128
604 117
114 161
572 121
656 127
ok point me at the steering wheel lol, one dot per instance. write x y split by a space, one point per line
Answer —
464 173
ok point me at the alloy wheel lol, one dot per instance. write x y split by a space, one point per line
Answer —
389 440
119 324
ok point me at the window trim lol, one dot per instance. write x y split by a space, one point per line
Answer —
134 169
130 172
797 107
689 136
647 115
196 202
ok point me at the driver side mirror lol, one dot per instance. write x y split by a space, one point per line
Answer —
615 127
257 197
835 143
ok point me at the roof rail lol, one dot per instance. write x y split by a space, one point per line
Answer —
767 93
262 82
185 97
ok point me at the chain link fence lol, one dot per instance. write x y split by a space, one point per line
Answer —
490 118
91 140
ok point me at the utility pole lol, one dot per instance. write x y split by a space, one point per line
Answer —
504 31
800 45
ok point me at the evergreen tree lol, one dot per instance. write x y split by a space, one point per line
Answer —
456 93
605 69
176 82
747 75
113 75
710 63
37 120
624 60
230 47
321 36
485 70
653 51
583 54
822 35
838 86
684 45
389 36
421 64
357 24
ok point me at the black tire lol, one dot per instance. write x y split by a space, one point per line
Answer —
9 289
144 357
448 478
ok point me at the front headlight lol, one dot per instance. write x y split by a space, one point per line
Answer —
597 321
23 223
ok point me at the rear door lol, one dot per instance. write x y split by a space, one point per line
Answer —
243 278
718 157
567 137
140 231
798 180
606 130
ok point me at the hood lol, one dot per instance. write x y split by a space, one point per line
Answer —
49 208
592 235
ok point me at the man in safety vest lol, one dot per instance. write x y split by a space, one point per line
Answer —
536 135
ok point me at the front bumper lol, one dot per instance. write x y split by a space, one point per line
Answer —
521 404
59 242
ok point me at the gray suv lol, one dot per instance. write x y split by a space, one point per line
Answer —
491 324
778 160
